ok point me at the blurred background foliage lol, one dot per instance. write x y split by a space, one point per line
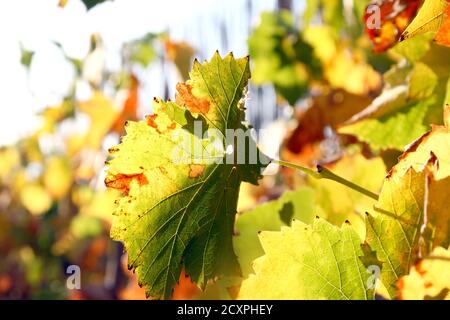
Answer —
315 78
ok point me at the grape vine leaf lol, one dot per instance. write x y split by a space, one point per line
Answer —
392 16
412 214
406 107
326 199
270 216
393 130
324 262
443 35
340 203
174 213
430 18
428 279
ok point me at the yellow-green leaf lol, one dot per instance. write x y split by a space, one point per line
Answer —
270 216
429 18
318 261
412 215
178 206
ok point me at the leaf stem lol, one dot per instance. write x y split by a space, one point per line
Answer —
324 173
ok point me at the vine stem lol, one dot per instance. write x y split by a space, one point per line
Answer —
324 173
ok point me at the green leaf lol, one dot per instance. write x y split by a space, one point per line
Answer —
92 3
411 100
281 56
413 49
142 51
423 82
26 57
393 130
318 261
331 12
176 212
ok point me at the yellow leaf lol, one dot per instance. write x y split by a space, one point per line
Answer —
433 144
102 114
58 176
412 215
429 19
428 279
10 158
341 203
35 199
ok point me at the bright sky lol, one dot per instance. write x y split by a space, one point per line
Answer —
37 24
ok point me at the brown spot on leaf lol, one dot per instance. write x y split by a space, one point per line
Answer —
151 121
162 169
172 126
122 181
196 170
186 99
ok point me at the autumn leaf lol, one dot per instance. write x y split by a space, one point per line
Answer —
130 105
52 115
324 262
430 18
392 131
330 110
180 53
168 217
409 102
35 198
102 114
342 68
428 279
393 17
411 216
270 216
443 35
58 177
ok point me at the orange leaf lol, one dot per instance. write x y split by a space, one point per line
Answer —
443 35
395 16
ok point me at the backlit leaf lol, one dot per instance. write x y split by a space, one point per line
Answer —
428 279
318 261
174 213
429 18
412 215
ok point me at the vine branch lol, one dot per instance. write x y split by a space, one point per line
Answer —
324 173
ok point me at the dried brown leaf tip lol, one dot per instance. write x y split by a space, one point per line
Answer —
122 181
186 99
196 170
